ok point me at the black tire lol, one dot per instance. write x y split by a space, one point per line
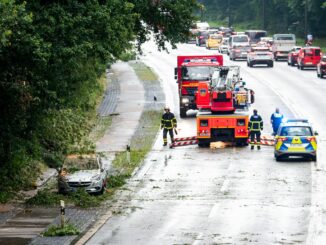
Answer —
276 59
241 142
301 67
277 158
271 64
314 158
183 112
247 63
292 63
203 143
251 64
319 75
298 66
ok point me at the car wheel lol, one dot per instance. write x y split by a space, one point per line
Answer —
271 64
251 64
314 158
298 66
277 158
247 63
318 75
302 67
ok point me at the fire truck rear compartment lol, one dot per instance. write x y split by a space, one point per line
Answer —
222 134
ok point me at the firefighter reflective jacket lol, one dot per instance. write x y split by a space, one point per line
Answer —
256 123
168 121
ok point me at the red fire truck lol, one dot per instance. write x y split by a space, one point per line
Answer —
189 72
223 104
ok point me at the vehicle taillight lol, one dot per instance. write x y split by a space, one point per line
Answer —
242 131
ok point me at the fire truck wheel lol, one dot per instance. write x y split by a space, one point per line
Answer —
202 143
241 142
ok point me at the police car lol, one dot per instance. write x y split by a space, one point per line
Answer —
295 137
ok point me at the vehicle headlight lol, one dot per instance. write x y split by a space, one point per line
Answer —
96 179
185 100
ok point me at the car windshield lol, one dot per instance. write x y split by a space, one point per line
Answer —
240 39
296 131
197 72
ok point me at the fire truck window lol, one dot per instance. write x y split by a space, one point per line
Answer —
241 122
204 123
317 52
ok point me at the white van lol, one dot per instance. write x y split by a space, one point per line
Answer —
238 41
282 44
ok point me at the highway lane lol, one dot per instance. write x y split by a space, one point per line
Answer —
227 196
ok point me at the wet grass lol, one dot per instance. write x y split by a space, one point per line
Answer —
144 72
141 143
101 125
57 230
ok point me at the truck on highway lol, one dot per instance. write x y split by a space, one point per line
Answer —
282 45
255 35
223 105
191 70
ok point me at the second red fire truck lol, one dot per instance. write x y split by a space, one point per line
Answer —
223 104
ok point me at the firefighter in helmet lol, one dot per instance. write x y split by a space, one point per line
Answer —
168 123
255 127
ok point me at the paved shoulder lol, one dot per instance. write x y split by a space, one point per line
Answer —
128 111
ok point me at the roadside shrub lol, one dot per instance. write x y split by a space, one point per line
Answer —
57 230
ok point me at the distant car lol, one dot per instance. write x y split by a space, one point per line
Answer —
321 67
239 52
260 56
214 41
295 137
201 38
89 174
224 47
293 55
309 57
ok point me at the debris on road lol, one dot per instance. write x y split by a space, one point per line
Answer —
220 145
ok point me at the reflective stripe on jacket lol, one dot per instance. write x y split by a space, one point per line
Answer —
168 120
255 123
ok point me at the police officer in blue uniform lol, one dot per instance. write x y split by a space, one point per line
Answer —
276 120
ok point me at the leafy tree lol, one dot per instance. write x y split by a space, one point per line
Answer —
51 56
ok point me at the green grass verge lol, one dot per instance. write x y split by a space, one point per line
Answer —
57 230
319 42
51 198
101 125
141 144
144 72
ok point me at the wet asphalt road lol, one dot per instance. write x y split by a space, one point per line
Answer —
192 195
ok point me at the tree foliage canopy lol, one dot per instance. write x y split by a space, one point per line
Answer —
51 55
273 15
